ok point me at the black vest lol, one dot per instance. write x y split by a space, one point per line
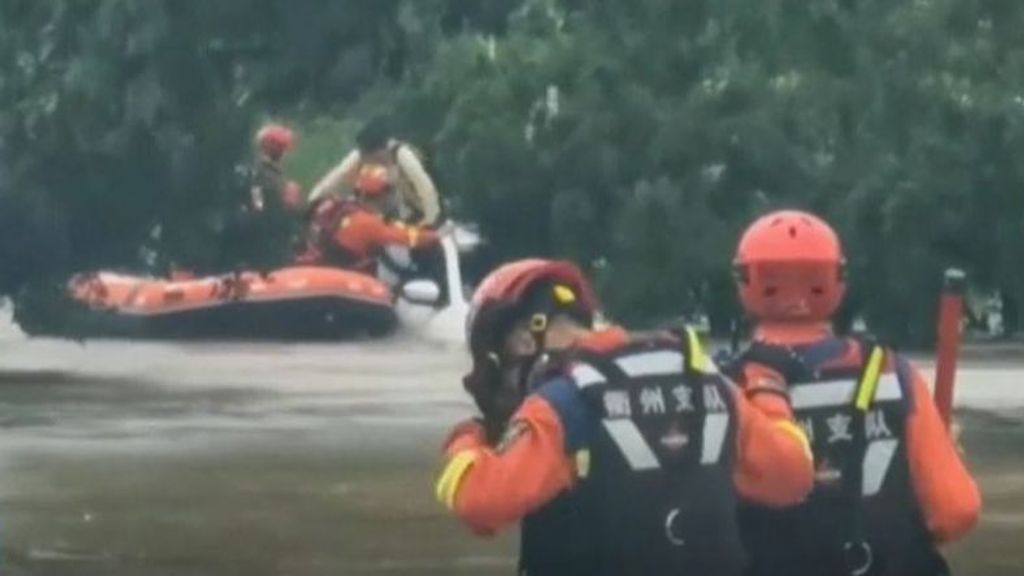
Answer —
657 497
862 518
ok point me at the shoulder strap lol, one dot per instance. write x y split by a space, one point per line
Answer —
589 367
784 360
871 373
863 400
696 359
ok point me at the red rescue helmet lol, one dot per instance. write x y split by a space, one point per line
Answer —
372 180
533 289
275 140
790 267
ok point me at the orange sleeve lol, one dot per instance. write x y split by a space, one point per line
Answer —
529 468
758 383
774 465
384 234
467 435
426 238
946 492
355 234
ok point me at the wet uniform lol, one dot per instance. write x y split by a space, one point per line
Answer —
414 197
889 483
629 459
353 236
262 234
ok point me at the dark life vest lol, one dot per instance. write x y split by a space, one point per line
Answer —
862 518
657 496
267 187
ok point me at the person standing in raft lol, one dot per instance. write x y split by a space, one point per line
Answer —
262 236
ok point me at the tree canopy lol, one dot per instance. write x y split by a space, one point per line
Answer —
637 138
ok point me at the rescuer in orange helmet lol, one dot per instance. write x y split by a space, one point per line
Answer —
890 485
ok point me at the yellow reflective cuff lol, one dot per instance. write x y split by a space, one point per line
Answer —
564 294
869 383
699 360
798 433
582 464
451 478
414 237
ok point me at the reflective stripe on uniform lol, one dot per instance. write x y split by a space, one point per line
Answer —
715 428
451 478
699 360
631 443
841 393
586 375
869 381
659 363
798 434
877 459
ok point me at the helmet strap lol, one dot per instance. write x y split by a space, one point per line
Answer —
538 326
539 332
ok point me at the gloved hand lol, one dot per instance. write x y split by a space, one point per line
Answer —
482 383
466 435
496 398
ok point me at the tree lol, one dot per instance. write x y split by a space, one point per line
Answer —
638 138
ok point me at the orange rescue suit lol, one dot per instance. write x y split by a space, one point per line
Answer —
889 482
491 488
363 234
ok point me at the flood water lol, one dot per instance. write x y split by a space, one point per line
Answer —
217 458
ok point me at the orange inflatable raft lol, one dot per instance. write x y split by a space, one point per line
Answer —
302 302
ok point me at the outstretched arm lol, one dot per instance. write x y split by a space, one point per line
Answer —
422 183
339 175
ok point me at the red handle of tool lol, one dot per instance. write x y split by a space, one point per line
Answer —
951 309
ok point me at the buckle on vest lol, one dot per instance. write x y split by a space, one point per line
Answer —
858 557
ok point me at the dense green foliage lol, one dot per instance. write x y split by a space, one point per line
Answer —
636 137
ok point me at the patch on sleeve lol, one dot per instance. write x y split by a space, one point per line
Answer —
563 395
513 433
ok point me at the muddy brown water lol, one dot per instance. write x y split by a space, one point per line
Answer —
251 459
